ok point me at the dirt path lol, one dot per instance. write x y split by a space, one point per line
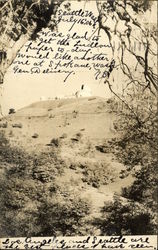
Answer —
105 193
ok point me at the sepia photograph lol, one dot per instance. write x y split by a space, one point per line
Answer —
78 123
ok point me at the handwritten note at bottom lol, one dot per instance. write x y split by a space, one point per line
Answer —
86 242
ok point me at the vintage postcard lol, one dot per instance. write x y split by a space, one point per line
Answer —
78 124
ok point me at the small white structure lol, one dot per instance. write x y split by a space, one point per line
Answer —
85 91
43 98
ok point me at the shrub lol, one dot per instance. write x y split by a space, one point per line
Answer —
55 142
79 135
144 188
64 136
17 125
124 217
98 174
59 217
11 111
35 135
4 125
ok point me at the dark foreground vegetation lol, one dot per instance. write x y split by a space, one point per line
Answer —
31 201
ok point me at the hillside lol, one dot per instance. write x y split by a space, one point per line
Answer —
52 119
74 131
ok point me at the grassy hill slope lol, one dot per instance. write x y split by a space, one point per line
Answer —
57 145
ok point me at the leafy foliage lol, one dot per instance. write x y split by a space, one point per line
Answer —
21 15
126 217
31 200
98 174
63 217
20 21
136 145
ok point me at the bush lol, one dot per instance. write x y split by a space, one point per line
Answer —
11 111
4 125
63 136
17 125
35 135
137 128
144 188
79 136
98 174
55 142
59 217
125 217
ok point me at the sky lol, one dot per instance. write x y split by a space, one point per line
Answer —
20 90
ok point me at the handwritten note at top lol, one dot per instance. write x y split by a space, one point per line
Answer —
76 48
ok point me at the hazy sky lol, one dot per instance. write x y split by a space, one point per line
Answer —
20 90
